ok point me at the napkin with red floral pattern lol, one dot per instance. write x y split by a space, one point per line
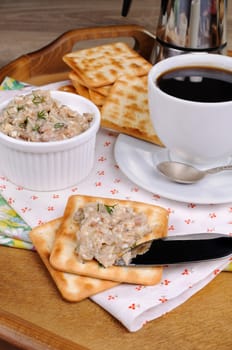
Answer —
132 305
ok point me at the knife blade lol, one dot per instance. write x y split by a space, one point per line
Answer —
182 249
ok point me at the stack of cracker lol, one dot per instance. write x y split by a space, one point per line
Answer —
114 77
55 242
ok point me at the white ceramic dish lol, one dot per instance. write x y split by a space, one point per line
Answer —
47 166
137 160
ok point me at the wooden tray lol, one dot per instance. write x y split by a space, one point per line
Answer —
46 65
32 313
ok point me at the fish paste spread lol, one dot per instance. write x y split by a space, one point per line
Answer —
37 117
105 232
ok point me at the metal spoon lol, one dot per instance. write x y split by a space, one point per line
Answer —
185 173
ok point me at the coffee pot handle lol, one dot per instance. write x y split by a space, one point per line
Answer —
126 7
127 3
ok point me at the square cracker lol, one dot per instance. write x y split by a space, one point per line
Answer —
126 109
96 97
81 89
72 287
63 256
76 79
102 65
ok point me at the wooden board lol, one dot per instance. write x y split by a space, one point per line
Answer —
32 313
46 65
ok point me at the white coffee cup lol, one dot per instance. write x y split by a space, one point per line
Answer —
199 133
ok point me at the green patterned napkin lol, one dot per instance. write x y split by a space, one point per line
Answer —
14 231
11 84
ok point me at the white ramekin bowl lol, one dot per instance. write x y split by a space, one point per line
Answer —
55 165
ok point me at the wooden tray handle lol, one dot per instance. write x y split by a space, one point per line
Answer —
48 60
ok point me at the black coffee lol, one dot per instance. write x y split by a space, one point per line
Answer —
202 84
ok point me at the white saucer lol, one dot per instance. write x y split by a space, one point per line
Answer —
137 159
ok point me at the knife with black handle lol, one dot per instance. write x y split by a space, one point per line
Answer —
183 249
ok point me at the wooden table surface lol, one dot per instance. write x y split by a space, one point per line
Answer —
32 313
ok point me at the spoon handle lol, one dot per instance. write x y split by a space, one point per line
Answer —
218 169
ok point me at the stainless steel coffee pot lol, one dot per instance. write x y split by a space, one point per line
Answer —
188 26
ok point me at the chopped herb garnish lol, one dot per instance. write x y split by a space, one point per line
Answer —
36 128
42 115
109 208
59 125
38 99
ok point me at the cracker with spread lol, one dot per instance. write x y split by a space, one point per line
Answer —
91 238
